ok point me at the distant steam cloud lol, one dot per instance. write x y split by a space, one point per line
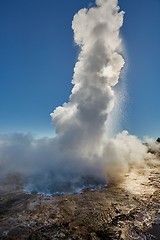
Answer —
82 153
153 146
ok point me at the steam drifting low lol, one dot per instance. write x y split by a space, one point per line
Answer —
81 154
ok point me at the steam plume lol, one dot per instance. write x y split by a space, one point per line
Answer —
82 152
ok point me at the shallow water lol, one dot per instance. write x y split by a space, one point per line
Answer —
155 229
50 184
155 232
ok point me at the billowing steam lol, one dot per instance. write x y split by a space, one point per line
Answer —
82 154
81 123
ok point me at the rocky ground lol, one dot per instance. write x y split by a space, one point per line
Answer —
129 210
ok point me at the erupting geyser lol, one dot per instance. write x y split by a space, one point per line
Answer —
82 121
81 154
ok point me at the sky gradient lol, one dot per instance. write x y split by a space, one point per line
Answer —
37 57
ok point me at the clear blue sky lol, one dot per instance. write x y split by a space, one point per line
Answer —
37 56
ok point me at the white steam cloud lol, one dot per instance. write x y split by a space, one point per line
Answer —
82 153
97 71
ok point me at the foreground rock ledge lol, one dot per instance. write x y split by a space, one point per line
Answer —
125 211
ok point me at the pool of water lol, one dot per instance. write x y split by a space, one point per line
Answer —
155 229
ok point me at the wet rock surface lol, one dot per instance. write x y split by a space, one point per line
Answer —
129 210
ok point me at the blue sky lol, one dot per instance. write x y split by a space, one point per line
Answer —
37 57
